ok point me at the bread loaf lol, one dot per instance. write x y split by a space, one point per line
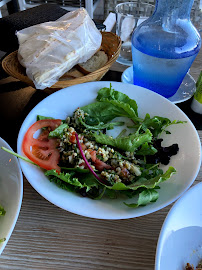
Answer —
72 74
49 50
98 60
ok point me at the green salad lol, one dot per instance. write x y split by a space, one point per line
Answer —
79 155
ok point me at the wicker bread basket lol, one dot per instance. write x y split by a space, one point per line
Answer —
111 44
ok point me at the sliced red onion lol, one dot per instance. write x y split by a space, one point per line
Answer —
87 164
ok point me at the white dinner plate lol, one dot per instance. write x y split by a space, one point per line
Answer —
11 192
62 104
185 91
180 240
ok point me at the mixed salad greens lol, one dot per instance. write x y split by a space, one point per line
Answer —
78 154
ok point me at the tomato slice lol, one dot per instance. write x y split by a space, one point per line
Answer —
100 165
124 172
73 138
93 155
43 150
83 146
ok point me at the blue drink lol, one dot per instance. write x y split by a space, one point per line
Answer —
164 47
160 75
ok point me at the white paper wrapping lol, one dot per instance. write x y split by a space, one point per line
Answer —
50 49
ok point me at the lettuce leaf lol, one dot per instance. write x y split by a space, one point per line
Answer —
144 188
128 143
58 132
146 150
158 124
144 197
100 125
144 182
110 94
41 117
111 104
107 111
2 240
84 181
2 211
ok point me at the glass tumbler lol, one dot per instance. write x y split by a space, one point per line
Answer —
129 15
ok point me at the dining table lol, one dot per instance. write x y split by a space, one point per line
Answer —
48 237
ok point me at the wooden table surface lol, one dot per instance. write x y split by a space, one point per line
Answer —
47 237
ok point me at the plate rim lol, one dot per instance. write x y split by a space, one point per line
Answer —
19 204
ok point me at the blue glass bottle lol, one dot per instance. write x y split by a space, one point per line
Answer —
164 47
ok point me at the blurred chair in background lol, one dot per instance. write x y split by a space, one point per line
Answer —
11 6
3 3
23 19
69 5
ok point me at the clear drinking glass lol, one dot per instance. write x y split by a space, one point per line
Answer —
128 16
196 15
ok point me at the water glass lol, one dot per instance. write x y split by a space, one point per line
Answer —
196 15
128 16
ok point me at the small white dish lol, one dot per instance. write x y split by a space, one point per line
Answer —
180 239
185 91
11 192
63 103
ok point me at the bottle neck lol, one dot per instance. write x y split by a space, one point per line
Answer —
175 9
